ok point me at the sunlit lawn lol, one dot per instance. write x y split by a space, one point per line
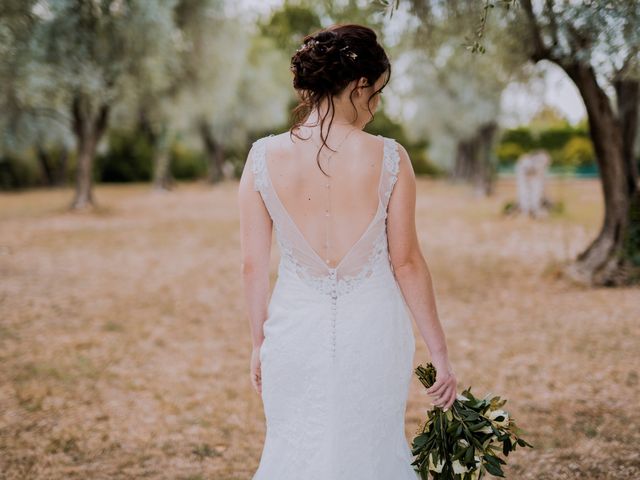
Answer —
124 347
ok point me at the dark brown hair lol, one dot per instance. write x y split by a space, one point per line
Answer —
327 61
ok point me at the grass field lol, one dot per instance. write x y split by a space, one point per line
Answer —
124 346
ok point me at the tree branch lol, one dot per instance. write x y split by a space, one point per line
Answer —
540 50
548 7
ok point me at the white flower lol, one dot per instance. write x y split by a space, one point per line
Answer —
458 467
497 413
463 442
493 414
461 397
436 468
486 429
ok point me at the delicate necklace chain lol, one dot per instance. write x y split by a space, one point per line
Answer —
339 145
328 187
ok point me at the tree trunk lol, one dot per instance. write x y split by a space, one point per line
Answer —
162 179
463 166
60 174
628 101
214 153
485 169
88 128
473 160
53 170
46 164
159 140
613 257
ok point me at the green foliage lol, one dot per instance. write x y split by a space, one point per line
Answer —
521 136
509 152
93 48
475 43
385 126
578 151
465 441
186 163
128 159
23 169
288 26
555 138
569 146
18 172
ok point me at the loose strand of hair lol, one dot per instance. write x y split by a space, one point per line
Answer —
324 139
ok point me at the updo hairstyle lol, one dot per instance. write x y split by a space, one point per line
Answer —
327 61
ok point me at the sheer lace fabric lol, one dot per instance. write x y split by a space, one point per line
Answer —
337 355
299 256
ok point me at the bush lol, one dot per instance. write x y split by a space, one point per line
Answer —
385 126
568 146
18 172
578 152
555 138
521 136
508 153
128 159
186 164
422 164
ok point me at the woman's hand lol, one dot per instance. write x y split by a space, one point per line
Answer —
256 372
444 390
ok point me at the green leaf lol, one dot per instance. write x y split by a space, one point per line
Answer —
494 470
477 426
468 458
506 447
522 443
458 454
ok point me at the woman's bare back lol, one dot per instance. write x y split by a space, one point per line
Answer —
332 212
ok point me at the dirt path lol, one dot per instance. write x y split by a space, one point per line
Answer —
124 347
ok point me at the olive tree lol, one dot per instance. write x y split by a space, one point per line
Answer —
597 44
86 52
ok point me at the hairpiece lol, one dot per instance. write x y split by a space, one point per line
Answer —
305 46
311 43
349 53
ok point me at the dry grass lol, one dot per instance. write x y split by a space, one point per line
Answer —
125 348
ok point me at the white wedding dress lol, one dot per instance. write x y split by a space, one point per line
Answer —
337 355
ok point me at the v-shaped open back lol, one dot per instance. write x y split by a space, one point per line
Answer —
362 234
297 252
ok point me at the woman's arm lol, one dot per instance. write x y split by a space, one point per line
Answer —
414 278
255 247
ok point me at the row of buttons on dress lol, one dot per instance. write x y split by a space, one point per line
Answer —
334 300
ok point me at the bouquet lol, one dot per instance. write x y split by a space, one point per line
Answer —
465 441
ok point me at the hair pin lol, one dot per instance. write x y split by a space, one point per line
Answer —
310 44
349 53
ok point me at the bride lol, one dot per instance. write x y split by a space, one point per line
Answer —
333 344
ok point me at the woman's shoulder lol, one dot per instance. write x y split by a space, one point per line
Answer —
277 136
280 140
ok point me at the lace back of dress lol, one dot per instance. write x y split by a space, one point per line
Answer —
297 254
